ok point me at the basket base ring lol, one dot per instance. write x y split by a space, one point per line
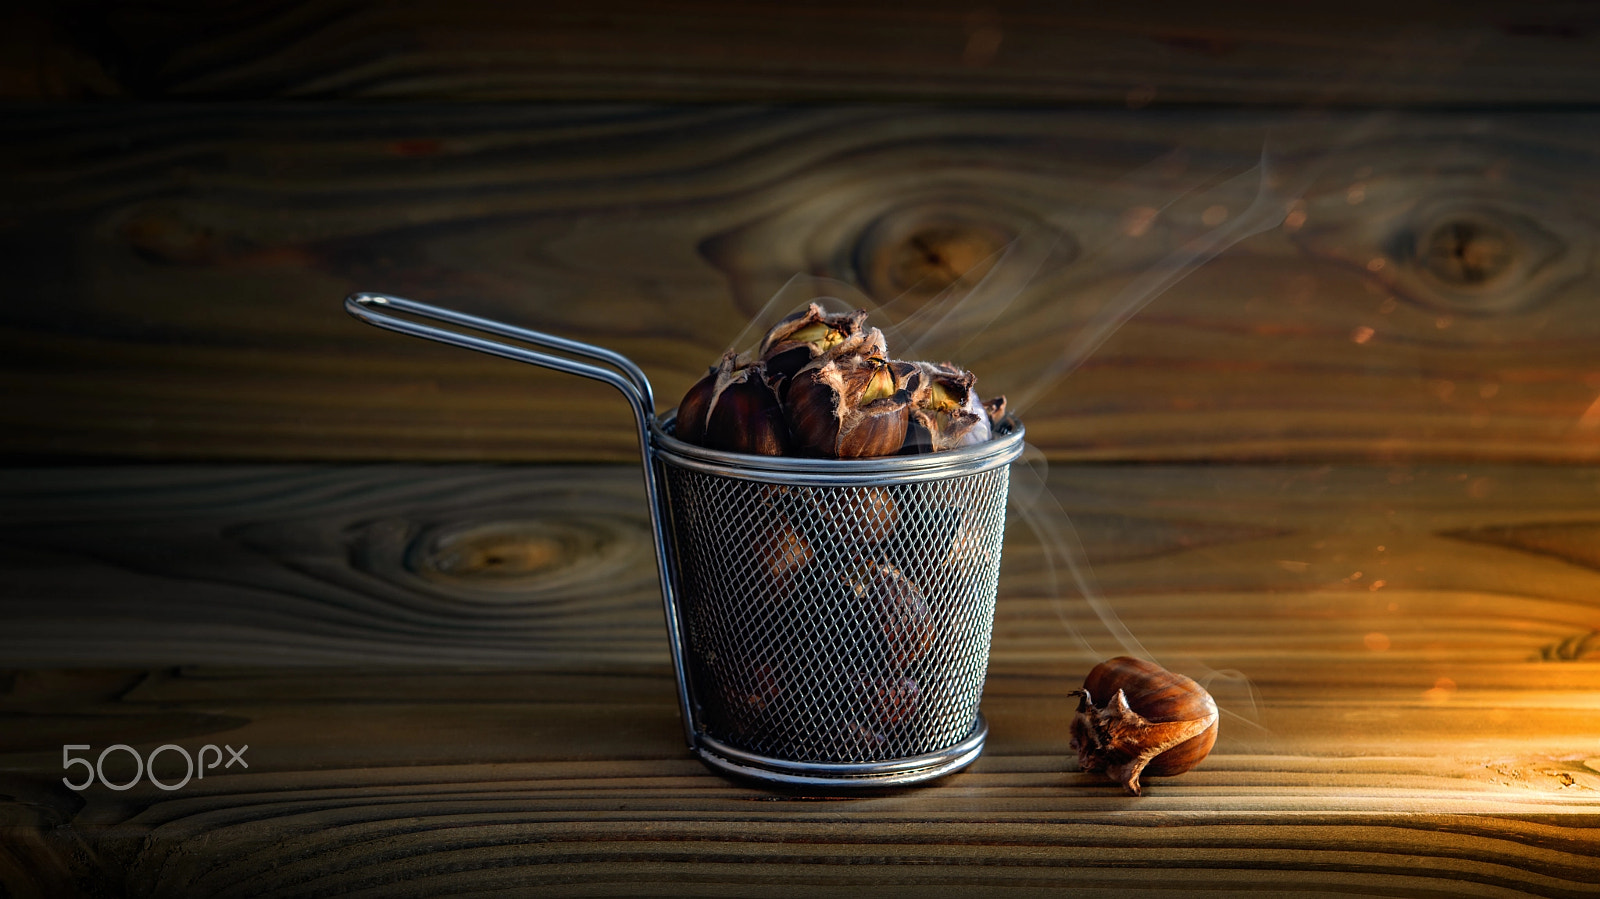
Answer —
847 775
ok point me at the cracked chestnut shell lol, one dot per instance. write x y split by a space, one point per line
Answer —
793 343
733 408
1135 717
850 404
946 412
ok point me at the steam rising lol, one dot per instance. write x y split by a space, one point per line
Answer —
1235 207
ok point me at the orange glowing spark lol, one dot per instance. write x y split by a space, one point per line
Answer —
1296 218
1442 690
1590 419
1136 221
1361 334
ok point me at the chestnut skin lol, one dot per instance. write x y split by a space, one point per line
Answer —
1137 717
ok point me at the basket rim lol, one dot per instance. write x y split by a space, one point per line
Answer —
1001 450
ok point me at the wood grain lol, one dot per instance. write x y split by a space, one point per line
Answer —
1357 286
480 783
331 564
1355 53
436 701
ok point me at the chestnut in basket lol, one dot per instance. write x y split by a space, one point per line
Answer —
945 410
733 408
889 700
850 404
897 609
856 515
784 550
793 343
821 384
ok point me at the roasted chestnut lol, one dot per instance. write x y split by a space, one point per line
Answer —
784 550
696 405
856 516
733 408
749 686
849 405
945 410
897 609
793 343
1136 717
889 700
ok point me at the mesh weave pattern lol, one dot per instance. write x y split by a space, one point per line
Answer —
837 624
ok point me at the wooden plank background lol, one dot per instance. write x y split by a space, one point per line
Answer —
516 565
1327 274
1388 284
1358 52
437 701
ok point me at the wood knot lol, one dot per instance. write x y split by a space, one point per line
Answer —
1573 649
1574 542
166 236
493 555
503 554
169 233
1467 251
921 251
1486 258
514 561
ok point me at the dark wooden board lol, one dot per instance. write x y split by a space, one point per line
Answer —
1357 285
1236 52
453 679
504 565
577 785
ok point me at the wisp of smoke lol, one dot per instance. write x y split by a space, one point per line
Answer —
950 320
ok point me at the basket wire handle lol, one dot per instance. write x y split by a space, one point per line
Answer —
628 378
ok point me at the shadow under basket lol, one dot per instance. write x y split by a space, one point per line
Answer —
829 620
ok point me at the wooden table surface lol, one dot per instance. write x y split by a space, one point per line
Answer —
1340 466
453 679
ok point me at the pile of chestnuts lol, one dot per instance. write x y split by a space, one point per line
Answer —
1135 717
822 384
869 618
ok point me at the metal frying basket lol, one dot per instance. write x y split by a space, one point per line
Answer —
829 620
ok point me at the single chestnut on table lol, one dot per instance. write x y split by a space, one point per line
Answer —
1135 717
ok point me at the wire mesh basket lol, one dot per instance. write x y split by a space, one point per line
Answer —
829 620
